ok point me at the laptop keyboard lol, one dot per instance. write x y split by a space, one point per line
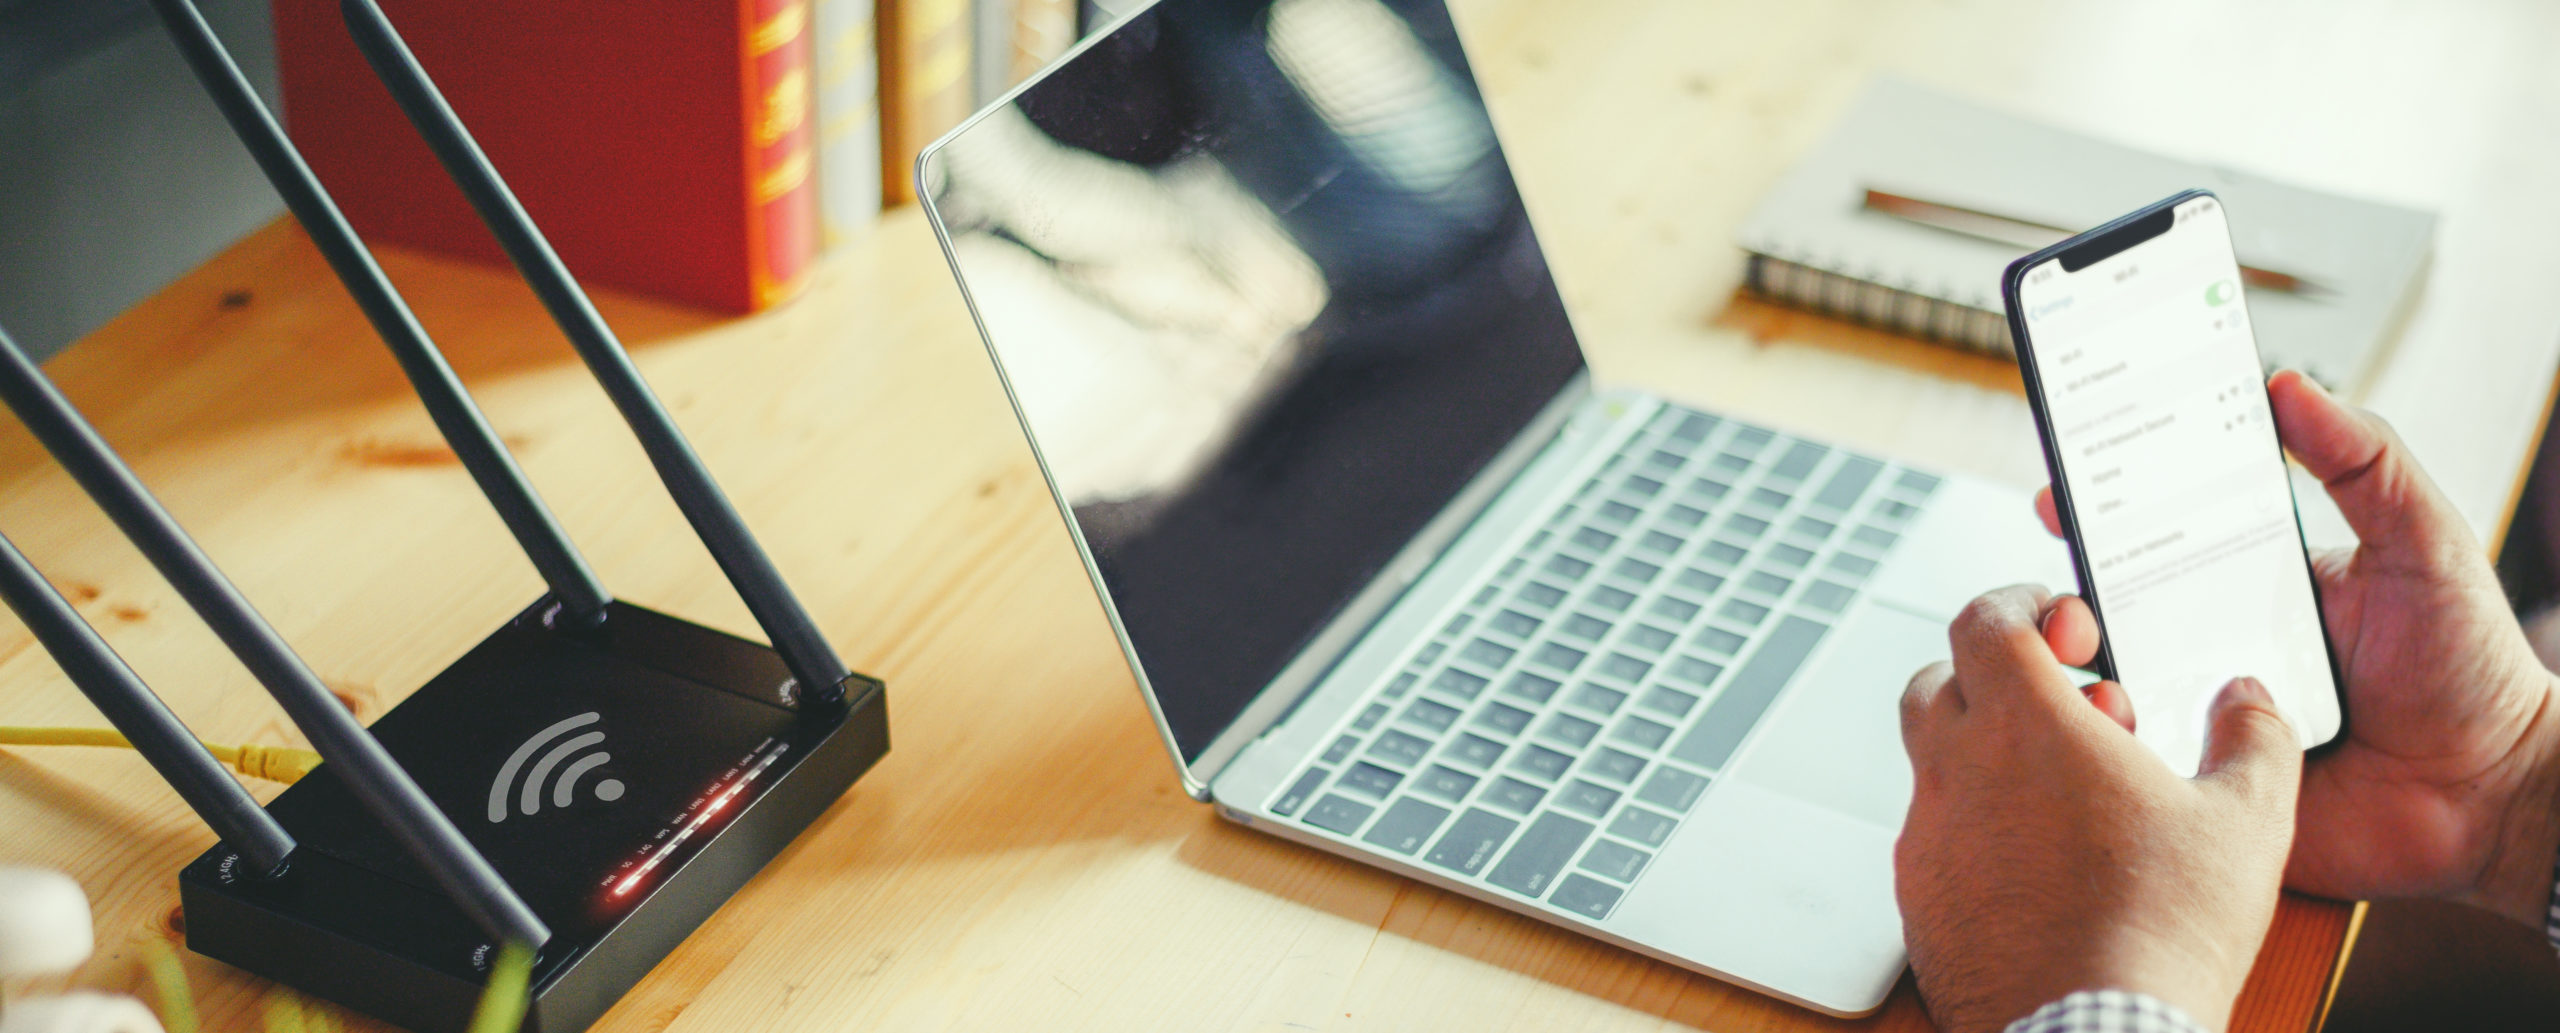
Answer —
1571 711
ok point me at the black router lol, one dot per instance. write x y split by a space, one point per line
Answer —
594 780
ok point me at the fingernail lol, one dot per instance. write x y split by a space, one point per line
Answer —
2243 690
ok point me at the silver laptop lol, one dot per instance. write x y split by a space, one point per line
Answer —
1396 581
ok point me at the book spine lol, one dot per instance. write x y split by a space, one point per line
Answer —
848 120
924 84
1878 305
782 210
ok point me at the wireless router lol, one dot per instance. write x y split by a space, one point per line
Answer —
593 780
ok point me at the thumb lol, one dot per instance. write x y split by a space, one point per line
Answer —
2392 505
2250 748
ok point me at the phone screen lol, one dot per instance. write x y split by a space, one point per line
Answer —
2158 425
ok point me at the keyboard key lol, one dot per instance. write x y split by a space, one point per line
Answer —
1471 842
1586 896
1399 748
1567 568
1743 612
1586 799
1640 733
1658 543
1813 528
1456 624
1674 609
1402 684
1693 672
1542 762
1540 596
1369 780
1800 460
1717 640
1622 668
1848 483
1789 557
1636 570
1409 824
1708 489
1745 527
1825 596
1725 553
1672 789
1747 439
1559 656
1341 749
1569 730
1618 513
1661 461
1584 627
1514 623
1917 483
1642 825
1647 638
1767 584
1693 427
1699 581
1369 718
1875 536
1507 720
1475 750
1854 568
1732 463
1487 594
1711 742
1614 766
1639 486
1895 511
1770 499
1531 687
1430 652
1513 795
1594 539
1487 653
1532 863
1458 683
1594 697
1444 784
1667 701
1337 815
1299 791
1606 858
1611 600
1428 714
1684 515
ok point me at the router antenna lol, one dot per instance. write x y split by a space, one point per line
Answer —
361 762
145 721
562 569
813 663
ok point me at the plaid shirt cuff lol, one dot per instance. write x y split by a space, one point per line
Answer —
2107 1011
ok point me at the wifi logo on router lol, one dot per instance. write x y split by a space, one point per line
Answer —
557 745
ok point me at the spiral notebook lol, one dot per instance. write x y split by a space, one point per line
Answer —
1828 236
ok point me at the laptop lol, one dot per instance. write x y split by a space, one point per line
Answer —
1396 580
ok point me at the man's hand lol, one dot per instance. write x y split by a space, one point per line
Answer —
2448 783
2048 851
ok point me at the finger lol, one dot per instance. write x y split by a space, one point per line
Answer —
2000 652
2250 749
2071 631
1931 693
2111 699
2392 505
2045 512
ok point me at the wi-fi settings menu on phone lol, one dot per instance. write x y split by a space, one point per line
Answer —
2151 380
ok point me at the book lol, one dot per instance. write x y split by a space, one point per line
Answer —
924 84
848 69
1822 239
670 155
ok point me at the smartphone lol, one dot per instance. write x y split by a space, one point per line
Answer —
2143 372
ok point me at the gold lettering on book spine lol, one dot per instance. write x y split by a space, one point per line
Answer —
786 25
786 106
784 177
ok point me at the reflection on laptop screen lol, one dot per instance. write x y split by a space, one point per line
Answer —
1263 289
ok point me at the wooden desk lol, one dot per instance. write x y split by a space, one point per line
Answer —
1023 858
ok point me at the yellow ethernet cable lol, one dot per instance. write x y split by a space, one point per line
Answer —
270 763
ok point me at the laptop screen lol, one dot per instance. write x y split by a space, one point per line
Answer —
1266 298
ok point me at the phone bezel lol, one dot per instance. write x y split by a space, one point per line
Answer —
2080 252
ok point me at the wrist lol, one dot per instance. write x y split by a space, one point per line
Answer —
2516 881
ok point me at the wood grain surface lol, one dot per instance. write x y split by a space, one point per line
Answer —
1024 859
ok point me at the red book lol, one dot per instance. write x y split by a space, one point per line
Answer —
665 149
